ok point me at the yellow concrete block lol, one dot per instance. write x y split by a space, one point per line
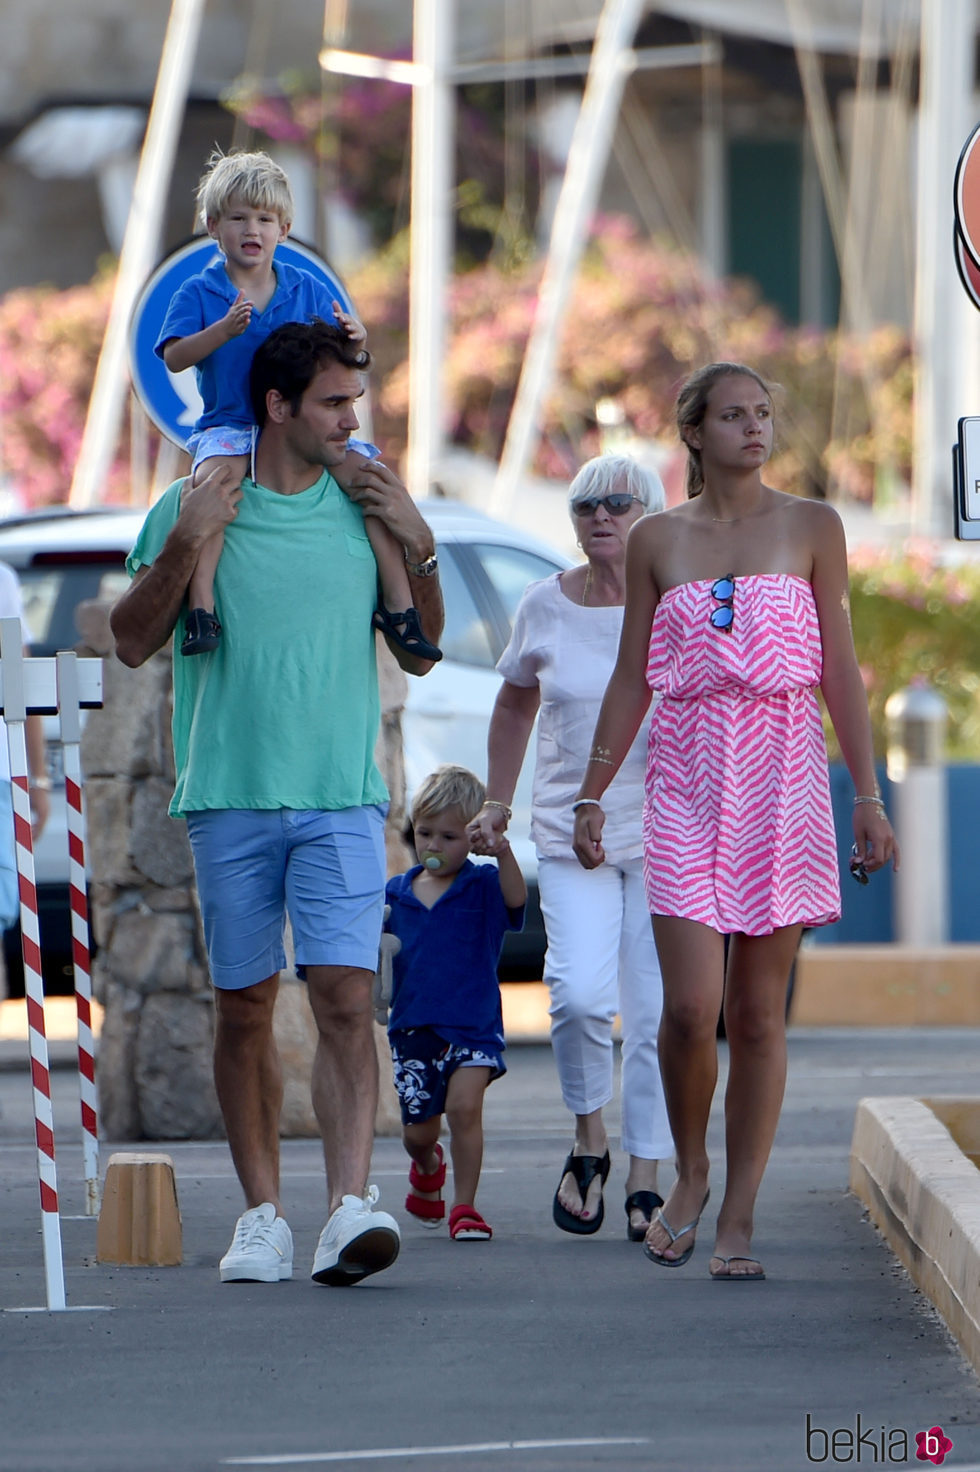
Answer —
921 1190
887 986
139 1223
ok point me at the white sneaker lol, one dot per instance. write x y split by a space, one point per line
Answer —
261 1250
355 1242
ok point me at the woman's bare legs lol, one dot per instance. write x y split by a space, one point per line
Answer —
755 1025
692 963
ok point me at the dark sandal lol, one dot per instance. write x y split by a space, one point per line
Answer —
405 630
584 1168
645 1201
202 632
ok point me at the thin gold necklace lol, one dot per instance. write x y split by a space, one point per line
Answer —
588 586
745 516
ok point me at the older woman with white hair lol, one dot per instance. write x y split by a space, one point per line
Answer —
601 957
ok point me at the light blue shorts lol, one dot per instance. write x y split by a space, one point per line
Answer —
326 870
224 439
227 439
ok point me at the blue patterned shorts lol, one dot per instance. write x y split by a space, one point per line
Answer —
424 1064
228 439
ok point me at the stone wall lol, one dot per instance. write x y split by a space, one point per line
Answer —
150 970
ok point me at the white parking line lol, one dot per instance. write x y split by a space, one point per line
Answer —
389 1453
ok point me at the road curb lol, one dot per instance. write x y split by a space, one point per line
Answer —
923 1193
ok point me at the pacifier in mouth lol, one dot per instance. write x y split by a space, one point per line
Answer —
434 861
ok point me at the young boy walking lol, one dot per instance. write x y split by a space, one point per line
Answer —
446 1028
214 324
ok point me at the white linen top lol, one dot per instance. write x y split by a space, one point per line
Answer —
569 653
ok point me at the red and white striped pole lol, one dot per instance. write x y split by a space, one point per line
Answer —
15 715
71 735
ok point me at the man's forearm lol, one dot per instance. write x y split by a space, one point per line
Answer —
144 617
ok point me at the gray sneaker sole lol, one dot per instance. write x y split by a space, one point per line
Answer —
371 1252
243 1274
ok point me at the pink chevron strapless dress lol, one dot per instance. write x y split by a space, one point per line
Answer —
738 830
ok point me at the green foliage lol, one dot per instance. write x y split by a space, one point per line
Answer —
49 347
360 133
917 619
642 315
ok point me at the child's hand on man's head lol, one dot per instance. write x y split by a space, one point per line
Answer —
348 323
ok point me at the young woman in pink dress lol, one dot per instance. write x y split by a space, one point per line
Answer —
736 611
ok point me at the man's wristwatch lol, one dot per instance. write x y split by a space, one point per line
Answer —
423 569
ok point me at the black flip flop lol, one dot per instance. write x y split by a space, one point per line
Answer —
645 1201
405 630
584 1168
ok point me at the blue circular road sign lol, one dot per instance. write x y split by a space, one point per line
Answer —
171 399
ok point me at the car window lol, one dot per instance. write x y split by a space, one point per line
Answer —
466 637
52 593
510 569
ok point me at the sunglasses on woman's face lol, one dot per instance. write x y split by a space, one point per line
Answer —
617 505
723 591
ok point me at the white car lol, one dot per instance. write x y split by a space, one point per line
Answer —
63 557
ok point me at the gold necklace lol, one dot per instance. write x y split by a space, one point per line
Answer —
588 586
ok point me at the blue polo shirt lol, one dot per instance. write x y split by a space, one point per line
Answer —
222 377
445 975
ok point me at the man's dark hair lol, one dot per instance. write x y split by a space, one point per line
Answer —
292 356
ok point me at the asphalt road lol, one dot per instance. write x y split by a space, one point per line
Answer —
537 1351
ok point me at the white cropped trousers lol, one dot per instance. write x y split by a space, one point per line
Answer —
601 959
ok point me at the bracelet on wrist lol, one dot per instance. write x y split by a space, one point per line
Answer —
874 802
41 784
585 802
491 802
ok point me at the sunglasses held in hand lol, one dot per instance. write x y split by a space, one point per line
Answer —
856 864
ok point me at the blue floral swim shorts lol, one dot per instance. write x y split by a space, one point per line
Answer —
424 1064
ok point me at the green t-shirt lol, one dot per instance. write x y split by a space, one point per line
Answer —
285 712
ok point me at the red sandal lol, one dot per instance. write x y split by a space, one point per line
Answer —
429 1213
467 1225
